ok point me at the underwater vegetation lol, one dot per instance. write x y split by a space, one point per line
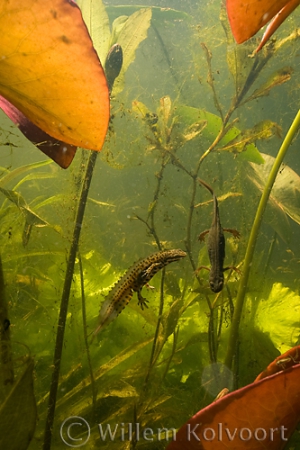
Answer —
73 243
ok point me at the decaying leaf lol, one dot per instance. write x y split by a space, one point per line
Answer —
50 71
263 130
279 77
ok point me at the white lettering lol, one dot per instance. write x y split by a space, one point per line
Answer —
213 434
220 431
229 435
107 431
189 432
282 428
148 431
272 433
248 432
256 433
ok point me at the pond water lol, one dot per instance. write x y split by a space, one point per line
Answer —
191 105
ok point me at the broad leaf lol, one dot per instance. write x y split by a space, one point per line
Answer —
261 415
50 70
247 17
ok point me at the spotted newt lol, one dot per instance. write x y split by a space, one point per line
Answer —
132 281
216 246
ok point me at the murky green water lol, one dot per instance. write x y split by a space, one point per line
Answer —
157 367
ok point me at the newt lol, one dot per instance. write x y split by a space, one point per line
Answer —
216 246
136 277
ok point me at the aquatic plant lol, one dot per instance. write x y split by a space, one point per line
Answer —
158 366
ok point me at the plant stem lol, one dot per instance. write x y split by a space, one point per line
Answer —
85 335
65 300
252 240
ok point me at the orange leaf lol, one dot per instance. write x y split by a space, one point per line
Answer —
246 17
261 415
282 362
277 21
59 151
50 71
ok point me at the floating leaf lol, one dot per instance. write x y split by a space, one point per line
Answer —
247 17
261 415
282 362
285 193
19 410
277 21
50 71
59 151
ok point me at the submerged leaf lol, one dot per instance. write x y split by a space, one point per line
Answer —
263 130
189 115
278 316
279 77
132 34
96 19
50 71
285 193
19 410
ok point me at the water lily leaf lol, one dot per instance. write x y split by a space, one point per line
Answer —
263 414
285 193
247 17
282 362
277 21
59 151
19 408
50 71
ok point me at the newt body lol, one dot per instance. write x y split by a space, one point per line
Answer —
216 245
133 281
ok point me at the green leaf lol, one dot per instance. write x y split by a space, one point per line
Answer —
18 413
97 22
132 34
190 115
278 315
117 27
286 190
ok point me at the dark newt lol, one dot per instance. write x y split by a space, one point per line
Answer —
216 246
133 281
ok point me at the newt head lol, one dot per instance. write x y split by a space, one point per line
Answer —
216 283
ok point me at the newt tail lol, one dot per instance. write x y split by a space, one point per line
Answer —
133 281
